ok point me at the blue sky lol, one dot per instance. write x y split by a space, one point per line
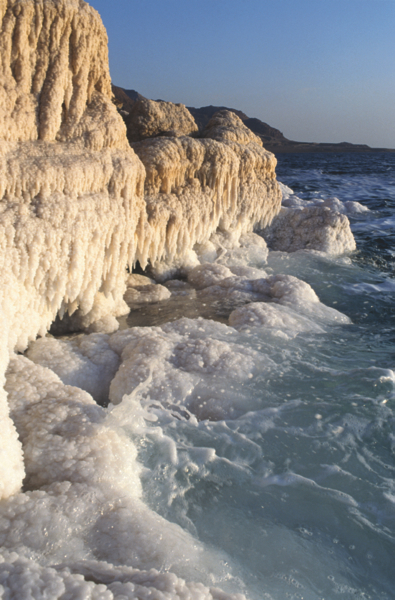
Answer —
318 70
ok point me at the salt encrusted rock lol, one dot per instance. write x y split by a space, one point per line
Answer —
195 187
72 208
149 118
55 82
226 125
71 189
146 294
94 580
135 280
312 228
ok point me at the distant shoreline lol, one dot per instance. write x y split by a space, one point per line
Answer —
272 139
306 148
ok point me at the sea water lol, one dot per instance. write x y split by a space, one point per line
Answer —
292 487
260 410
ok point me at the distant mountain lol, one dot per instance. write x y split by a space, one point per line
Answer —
272 139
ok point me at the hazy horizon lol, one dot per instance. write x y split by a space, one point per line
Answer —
317 71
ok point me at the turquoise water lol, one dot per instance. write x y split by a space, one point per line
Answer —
298 499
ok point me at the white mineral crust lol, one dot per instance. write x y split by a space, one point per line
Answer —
77 206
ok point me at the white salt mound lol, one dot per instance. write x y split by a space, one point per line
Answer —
312 228
184 366
86 362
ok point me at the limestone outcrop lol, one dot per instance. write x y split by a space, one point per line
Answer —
149 118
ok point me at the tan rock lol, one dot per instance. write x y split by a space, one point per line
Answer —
149 118
195 187
55 82
225 125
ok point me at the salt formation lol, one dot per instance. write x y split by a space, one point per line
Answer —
73 216
250 286
291 200
86 362
146 293
312 228
85 502
226 125
194 188
70 188
185 366
149 118
312 224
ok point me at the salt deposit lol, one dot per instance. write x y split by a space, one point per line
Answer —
312 228
184 367
73 211
273 316
195 187
78 206
151 119
73 217
86 362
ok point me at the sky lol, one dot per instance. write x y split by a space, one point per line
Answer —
317 70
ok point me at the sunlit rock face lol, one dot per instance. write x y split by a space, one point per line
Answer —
71 189
225 125
195 187
149 118
55 82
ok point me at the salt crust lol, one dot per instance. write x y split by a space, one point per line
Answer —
146 294
218 282
312 224
178 366
73 215
207 184
85 465
149 118
93 580
73 212
89 503
313 228
291 200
